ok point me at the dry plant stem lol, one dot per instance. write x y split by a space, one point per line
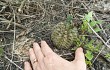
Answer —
21 6
6 44
99 24
8 67
13 63
84 4
98 54
2 8
65 54
108 41
6 31
72 3
101 40
97 35
63 2
7 22
14 41
66 6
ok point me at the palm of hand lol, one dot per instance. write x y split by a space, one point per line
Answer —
48 60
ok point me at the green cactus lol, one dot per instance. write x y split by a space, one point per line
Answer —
64 35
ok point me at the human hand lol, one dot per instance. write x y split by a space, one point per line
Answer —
43 58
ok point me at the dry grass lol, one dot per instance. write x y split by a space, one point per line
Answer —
32 19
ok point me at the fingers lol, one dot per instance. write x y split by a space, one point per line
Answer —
27 66
39 56
79 55
37 51
80 59
33 59
46 50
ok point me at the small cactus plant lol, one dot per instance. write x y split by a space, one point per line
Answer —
64 35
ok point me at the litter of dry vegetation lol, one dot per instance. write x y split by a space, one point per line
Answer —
24 21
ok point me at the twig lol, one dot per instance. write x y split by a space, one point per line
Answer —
65 54
14 41
21 6
6 31
7 21
6 45
94 16
100 51
63 2
72 2
97 36
13 62
108 41
101 40
2 8
98 54
8 66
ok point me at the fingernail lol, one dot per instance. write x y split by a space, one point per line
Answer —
42 41
30 49
25 62
80 48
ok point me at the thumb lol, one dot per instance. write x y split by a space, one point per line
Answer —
79 55
79 59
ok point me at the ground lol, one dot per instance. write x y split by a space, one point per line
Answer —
24 21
